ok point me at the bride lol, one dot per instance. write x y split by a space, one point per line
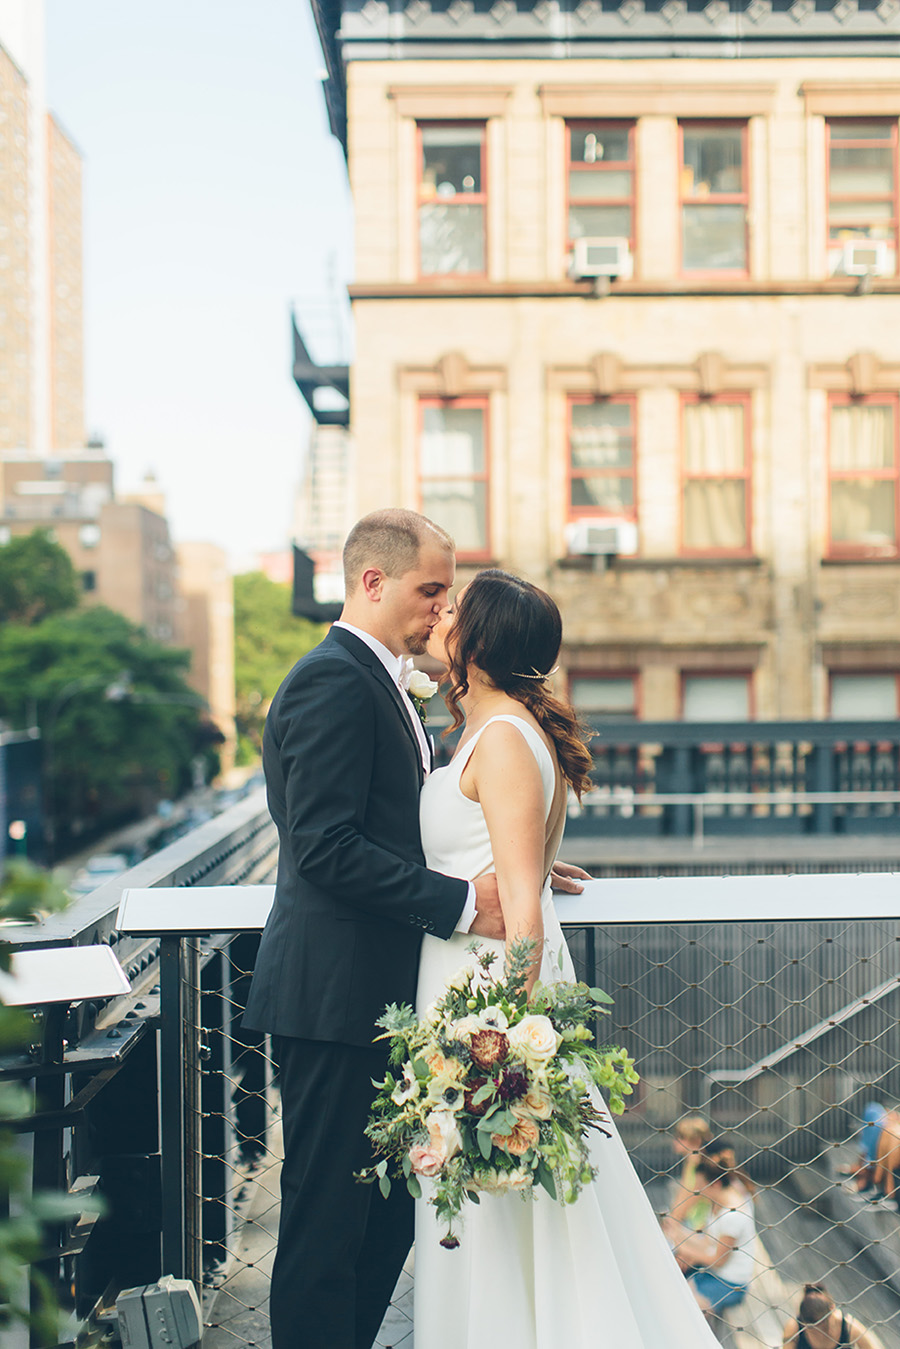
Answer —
529 1272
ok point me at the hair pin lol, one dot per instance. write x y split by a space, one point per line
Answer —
537 674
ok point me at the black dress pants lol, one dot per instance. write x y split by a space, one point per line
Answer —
341 1246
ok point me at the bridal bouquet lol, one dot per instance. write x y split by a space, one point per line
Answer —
489 1092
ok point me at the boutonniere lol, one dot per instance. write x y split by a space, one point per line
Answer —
420 688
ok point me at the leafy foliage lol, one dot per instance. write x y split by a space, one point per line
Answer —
493 1091
24 891
268 641
37 579
118 720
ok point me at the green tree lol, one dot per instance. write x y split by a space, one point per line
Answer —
119 723
37 579
268 640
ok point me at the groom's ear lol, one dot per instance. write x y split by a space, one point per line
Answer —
372 583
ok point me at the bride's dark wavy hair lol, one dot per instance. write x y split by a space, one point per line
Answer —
512 631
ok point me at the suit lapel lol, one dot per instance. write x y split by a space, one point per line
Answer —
366 656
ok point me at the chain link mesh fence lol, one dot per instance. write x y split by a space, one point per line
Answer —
777 1034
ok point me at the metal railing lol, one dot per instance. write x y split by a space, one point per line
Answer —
624 804
814 778
94 1071
771 1007
764 1007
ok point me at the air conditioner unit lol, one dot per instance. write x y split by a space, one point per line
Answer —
602 257
864 257
592 538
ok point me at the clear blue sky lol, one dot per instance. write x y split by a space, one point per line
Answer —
214 196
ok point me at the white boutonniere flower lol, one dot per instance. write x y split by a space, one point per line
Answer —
420 688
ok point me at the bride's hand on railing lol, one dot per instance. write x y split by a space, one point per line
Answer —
568 878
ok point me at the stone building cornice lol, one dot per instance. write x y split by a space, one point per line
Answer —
605 376
451 376
723 99
845 98
574 25
863 373
460 288
445 101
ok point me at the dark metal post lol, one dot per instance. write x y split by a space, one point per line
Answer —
171 1101
216 1131
823 781
193 1198
250 1063
682 823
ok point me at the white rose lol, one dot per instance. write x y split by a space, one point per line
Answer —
464 1029
498 1182
535 1039
460 980
420 686
535 1102
443 1135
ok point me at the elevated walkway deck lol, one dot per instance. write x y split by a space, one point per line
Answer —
811 1230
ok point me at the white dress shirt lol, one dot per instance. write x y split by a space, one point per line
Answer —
395 666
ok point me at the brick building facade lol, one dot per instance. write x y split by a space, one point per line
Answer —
697 454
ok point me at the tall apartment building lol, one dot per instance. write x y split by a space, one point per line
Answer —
697 451
120 546
41 318
207 626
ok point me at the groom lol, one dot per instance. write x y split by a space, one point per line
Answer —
345 756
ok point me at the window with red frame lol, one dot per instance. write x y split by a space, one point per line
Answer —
716 697
870 695
714 197
601 457
604 697
453 470
864 489
716 495
601 180
862 187
452 199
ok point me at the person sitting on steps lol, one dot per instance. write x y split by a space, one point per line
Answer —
725 1248
821 1325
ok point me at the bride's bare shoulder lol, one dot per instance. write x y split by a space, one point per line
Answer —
502 739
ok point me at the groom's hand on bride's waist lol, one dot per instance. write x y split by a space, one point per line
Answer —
488 920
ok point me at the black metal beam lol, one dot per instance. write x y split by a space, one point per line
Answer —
310 378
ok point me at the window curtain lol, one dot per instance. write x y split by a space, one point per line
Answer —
714 505
862 507
452 453
861 438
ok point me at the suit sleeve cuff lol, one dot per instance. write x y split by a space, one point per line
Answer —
467 917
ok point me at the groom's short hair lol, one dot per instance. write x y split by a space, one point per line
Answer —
391 540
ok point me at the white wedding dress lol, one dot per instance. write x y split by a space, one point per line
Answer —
529 1272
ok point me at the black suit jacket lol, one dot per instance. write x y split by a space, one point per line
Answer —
352 899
